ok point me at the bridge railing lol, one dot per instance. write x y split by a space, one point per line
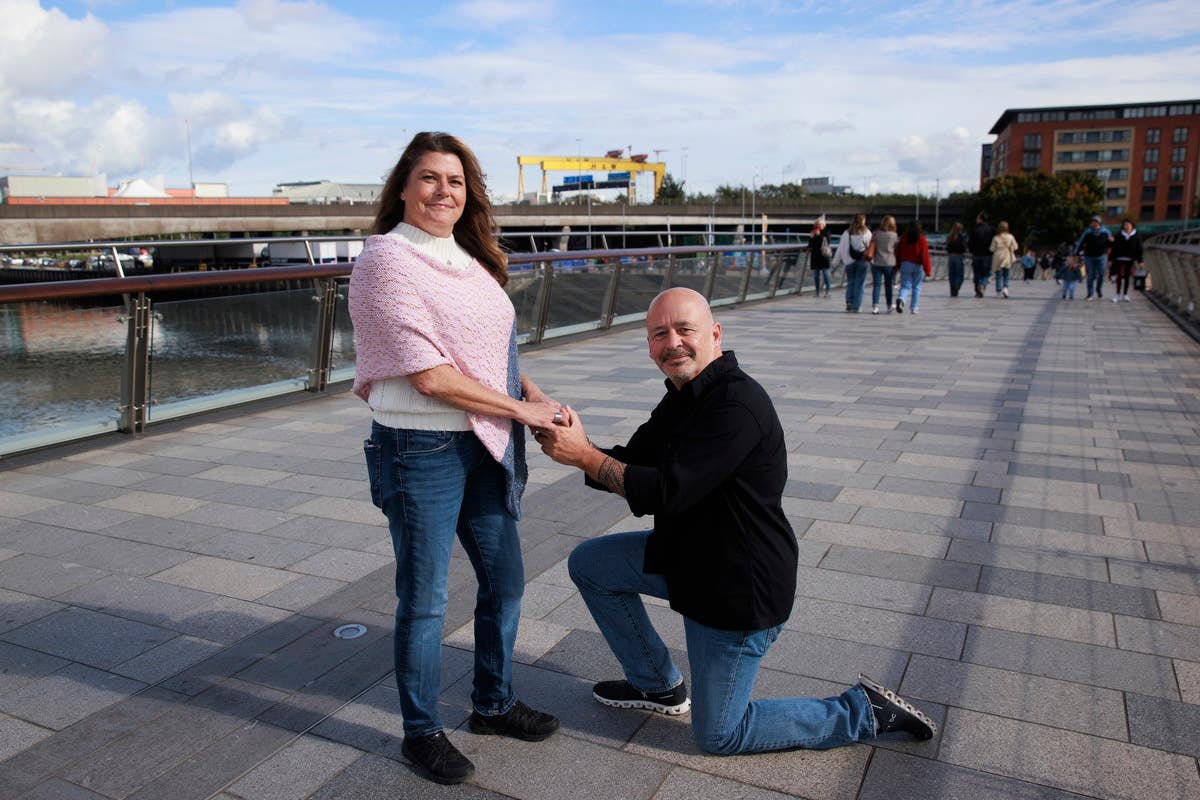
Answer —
1173 263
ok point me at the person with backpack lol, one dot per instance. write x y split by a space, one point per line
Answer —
855 250
1093 245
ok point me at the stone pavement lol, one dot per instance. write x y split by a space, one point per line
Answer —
998 506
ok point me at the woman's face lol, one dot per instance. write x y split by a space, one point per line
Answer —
435 193
1127 226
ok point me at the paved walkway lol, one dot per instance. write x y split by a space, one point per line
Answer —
998 506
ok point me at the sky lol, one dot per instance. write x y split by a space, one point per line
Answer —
880 96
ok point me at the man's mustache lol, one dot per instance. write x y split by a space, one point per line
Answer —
667 355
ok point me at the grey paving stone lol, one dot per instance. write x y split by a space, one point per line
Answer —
864 590
1073 592
167 659
226 619
1182 608
252 548
79 517
199 776
1065 760
312 655
1068 542
1175 555
1033 517
125 765
933 488
820 774
17 609
163 532
1029 560
1023 616
16 735
57 789
1159 638
125 557
225 577
22 665
34 538
1150 576
924 523
897 566
833 660
100 640
883 539
1061 704
687 784
333 533
140 599
1164 724
912 633
302 592
377 778
67 696
922 777
238 518
298 770
342 564
1071 661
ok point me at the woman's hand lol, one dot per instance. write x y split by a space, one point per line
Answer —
567 442
539 414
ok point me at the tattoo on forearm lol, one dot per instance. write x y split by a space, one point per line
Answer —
612 474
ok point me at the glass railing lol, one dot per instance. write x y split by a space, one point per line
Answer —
84 357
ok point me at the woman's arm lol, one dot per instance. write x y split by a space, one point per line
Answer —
447 384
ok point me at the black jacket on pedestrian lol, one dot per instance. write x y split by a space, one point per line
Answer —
980 243
1127 249
710 464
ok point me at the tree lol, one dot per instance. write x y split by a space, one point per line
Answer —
1041 209
671 192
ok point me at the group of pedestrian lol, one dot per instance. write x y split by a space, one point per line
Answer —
1098 257
885 253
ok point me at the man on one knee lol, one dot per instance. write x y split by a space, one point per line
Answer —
710 465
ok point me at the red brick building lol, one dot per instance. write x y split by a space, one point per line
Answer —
1148 154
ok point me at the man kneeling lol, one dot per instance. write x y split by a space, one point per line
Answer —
710 465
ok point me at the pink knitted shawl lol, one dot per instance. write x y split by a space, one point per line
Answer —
412 312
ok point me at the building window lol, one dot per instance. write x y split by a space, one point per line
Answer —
1177 174
1153 136
1115 192
1151 155
1147 212
1174 192
1031 160
1149 174
1093 137
1179 136
1178 154
1033 141
1115 211
1149 194
1174 212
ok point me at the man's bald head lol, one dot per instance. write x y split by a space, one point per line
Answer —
681 332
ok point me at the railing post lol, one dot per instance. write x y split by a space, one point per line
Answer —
746 280
670 276
135 379
711 279
542 311
320 358
610 299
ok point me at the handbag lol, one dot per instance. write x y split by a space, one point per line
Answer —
826 250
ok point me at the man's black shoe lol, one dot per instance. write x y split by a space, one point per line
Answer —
619 694
521 722
894 713
440 759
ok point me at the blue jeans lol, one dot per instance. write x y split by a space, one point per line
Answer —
882 276
818 276
1068 289
981 270
1002 278
432 485
1097 271
608 572
856 279
911 276
954 268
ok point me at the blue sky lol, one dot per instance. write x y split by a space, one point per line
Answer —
881 96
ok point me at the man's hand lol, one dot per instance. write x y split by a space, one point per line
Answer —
568 444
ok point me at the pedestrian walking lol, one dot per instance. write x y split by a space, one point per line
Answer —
883 262
956 251
979 244
854 252
1004 255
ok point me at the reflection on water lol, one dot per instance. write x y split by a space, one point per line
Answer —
63 364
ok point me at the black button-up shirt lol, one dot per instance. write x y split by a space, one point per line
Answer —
710 465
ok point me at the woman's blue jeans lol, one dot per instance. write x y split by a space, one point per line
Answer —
431 486
608 572
1002 278
911 276
856 279
956 273
818 276
882 276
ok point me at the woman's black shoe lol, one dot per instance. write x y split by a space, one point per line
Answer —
521 722
440 759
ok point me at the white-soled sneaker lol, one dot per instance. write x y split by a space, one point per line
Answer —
621 694
894 713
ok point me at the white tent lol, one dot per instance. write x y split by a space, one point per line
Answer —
139 187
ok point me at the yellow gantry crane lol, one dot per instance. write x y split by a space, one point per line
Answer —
610 162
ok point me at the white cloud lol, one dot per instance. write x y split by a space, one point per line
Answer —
45 51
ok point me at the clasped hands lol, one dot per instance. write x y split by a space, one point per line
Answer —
565 441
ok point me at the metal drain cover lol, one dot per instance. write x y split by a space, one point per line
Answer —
351 631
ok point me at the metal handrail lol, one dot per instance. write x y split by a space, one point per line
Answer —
1173 262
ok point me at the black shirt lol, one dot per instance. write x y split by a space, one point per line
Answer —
710 464
980 243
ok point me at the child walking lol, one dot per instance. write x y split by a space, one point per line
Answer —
1070 276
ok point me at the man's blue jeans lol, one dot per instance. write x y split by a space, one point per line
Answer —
608 572
981 270
1097 272
431 486
856 279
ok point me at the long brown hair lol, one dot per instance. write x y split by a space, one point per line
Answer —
475 227
859 225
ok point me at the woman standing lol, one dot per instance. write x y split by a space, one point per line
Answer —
956 252
819 254
1126 251
437 363
1004 255
912 252
855 251
883 262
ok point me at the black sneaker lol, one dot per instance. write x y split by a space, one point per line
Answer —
899 305
619 694
521 722
894 713
440 759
